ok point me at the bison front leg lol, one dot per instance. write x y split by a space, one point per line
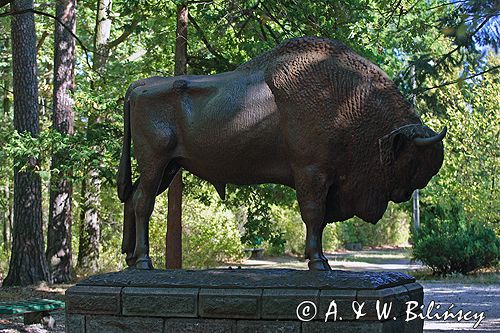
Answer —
312 187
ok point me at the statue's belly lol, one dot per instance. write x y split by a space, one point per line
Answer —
240 174
255 156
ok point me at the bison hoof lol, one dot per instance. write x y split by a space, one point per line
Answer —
130 260
319 265
144 263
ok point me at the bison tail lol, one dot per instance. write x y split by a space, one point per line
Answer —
124 177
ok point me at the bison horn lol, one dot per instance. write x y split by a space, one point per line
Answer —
432 140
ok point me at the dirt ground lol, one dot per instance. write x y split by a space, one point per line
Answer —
466 295
15 324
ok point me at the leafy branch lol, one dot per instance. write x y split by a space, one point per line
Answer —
126 33
34 11
207 43
419 91
120 39
5 2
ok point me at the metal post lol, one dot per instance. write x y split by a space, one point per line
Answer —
416 194
173 255
416 210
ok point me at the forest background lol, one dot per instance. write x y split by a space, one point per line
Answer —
62 153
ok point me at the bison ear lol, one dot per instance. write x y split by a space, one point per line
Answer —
398 143
391 145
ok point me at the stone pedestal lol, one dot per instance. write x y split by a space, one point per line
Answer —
243 301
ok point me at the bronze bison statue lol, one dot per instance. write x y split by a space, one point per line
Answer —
310 114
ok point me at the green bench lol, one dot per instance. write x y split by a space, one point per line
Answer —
35 311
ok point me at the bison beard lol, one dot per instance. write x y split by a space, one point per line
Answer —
310 114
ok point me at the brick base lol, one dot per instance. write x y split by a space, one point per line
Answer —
241 301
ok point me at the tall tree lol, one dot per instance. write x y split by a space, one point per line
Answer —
90 230
102 33
27 262
174 217
6 218
5 199
61 190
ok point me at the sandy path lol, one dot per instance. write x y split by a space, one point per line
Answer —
473 297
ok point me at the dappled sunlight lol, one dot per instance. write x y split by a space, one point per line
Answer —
385 261
275 262
362 266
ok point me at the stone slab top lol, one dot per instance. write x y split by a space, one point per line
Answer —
249 279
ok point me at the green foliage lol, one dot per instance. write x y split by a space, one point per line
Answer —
438 41
448 243
469 174
4 262
332 239
210 236
289 222
459 208
392 229
253 207
257 221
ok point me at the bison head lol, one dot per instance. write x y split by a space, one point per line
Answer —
412 154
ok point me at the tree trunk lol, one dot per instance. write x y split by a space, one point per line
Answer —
27 262
181 40
90 232
59 254
6 103
7 213
5 246
88 253
6 219
102 33
174 217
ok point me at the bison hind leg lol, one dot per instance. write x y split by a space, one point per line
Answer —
128 240
168 175
156 172
129 224
129 236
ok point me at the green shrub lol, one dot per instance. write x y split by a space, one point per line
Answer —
4 262
110 256
290 224
392 229
210 236
448 243
331 237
